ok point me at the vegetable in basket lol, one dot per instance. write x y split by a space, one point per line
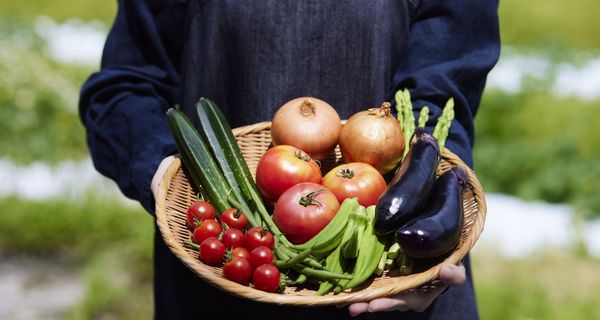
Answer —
412 183
303 210
355 179
438 229
309 124
373 136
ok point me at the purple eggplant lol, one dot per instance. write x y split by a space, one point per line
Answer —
438 229
407 192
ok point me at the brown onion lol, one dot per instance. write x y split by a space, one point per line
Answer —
308 124
373 136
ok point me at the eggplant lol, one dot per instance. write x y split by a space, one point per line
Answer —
437 231
409 189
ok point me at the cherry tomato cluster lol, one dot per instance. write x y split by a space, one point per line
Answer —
246 256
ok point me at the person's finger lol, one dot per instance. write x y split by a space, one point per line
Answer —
358 308
389 304
452 275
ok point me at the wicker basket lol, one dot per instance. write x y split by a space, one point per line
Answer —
175 194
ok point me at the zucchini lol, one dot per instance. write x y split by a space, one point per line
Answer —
198 161
223 146
218 133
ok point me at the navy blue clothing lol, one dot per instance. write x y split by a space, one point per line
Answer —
250 57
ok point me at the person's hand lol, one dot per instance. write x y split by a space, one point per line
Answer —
160 173
450 275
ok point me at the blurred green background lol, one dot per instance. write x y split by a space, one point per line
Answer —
536 140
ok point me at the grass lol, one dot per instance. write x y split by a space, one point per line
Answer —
61 10
548 286
109 243
550 24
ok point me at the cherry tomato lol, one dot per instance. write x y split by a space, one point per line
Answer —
259 236
198 212
234 218
238 270
212 251
356 180
304 210
283 166
266 278
240 252
261 255
207 229
233 238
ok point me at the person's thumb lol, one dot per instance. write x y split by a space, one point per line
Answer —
453 275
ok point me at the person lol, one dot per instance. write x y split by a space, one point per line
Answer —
252 56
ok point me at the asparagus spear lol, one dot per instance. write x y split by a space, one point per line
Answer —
442 127
423 117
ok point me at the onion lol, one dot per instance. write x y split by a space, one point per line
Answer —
373 136
308 124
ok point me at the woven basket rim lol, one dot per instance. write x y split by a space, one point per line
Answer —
395 286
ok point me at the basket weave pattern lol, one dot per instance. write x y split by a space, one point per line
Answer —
175 195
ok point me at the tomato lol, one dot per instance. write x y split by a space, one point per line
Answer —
240 252
261 255
266 278
304 210
207 229
212 251
259 236
233 238
198 212
283 166
238 270
234 218
356 180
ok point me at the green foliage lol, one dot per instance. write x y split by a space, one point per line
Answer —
38 106
549 286
61 9
550 24
538 146
74 228
111 242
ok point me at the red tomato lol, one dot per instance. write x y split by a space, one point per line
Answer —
283 166
304 210
356 180
234 218
240 252
208 229
212 251
238 270
198 212
233 238
266 278
259 236
261 255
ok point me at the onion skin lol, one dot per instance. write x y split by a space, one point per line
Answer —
309 124
373 136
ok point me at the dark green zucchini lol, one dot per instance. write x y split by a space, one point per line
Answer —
215 128
198 160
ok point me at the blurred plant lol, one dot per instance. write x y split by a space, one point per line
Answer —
38 101
111 243
538 146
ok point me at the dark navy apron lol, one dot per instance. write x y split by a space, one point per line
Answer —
252 56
